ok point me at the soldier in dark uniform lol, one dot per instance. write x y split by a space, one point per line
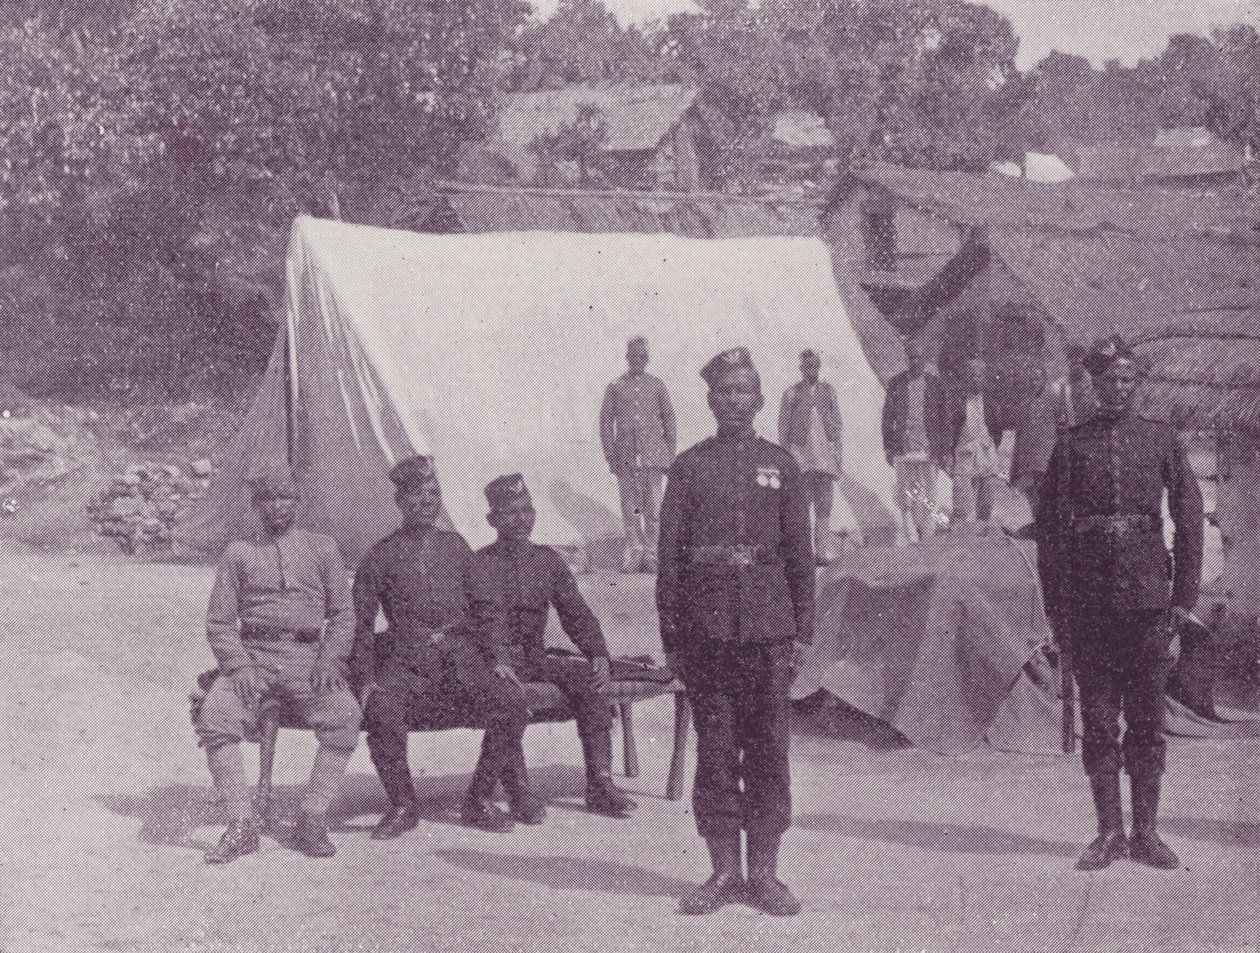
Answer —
735 591
1105 571
528 579
429 657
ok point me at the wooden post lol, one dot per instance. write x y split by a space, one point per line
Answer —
678 763
630 753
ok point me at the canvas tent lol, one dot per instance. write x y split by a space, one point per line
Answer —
492 352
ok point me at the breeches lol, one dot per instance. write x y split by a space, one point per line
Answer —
640 491
573 677
822 489
462 689
1122 663
334 716
739 694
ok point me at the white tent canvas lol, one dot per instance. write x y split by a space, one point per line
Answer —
492 353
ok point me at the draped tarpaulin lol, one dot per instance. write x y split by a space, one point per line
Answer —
492 352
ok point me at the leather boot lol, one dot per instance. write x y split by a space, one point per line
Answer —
524 805
239 839
602 796
400 819
727 883
1110 844
765 891
311 837
1145 846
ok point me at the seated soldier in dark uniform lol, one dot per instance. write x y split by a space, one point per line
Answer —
429 658
528 579
735 594
1110 596
280 626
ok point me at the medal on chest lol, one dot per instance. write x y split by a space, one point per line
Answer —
769 477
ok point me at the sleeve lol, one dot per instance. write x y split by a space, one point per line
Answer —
366 599
1185 504
1049 522
669 425
608 425
671 551
797 549
576 618
223 616
338 642
785 415
488 612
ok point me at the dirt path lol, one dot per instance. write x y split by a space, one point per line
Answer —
108 810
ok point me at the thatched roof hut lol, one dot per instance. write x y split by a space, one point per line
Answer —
1178 273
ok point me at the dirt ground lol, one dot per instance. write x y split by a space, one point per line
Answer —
108 810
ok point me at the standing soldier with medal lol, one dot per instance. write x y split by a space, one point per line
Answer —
1110 595
735 592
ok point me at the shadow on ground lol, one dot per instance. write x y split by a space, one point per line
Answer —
172 813
823 715
569 873
937 836
1226 833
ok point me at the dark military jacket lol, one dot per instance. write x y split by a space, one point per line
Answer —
735 491
419 580
1099 525
527 580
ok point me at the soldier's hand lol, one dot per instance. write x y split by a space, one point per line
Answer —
507 673
601 674
249 682
327 678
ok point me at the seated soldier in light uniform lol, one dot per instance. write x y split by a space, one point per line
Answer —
528 579
281 625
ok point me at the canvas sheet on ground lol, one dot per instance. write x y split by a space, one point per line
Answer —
492 352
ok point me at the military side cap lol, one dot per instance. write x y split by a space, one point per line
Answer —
726 362
1105 352
504 490
413 471
271 483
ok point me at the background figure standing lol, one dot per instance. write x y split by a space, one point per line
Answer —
639 436
974 439
281 626
1109 597
735 595
810 427
915 442
1058 407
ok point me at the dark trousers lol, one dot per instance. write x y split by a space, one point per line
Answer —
458 689
1122 662
573 677
739 694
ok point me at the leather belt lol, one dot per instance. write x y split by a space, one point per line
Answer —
739 555
254 633
1119 523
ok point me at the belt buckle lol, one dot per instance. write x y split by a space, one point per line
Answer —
436 637
742 556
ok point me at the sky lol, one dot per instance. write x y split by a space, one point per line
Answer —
1097 29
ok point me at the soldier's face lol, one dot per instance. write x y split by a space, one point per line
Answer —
1116 385
810 366
419 503
514 519
277 512
637 357
916 359
735 398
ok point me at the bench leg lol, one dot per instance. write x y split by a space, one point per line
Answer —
268 731
682 731
629 751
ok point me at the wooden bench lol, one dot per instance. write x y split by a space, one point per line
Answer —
546 705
